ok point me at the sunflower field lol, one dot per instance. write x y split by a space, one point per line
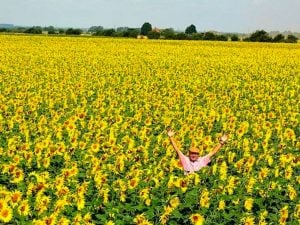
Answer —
83 131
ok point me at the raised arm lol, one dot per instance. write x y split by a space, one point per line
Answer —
170 134
222 141
183 159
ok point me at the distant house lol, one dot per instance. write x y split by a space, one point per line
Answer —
157 30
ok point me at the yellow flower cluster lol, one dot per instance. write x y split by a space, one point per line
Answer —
83 141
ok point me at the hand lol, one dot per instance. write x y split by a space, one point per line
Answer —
170 132
223 139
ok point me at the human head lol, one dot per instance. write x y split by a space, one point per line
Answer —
193 154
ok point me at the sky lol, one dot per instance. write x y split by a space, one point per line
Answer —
243 16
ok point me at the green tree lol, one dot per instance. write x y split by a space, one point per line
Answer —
122 29
61 31
197 36
95 29
153 35
209 36
146 28
221 37
34 30
278 38
108 32
4 30
50 30
168 33
132 32
72 31
291 39
234 37
181 36
260 36
191 29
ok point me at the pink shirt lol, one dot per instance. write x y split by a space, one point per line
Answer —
189 166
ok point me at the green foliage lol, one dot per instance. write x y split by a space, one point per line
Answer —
2 29
278 38
221 37
168 33
95 29
291 39
197 36
72 31
260 36
181 36
146 28
34 30
131 32
263 36
234 38
209 36
50 30
153 35
191 29
61 31
108 32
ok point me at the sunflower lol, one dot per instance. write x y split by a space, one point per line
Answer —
80 203
60 204
141 220
132 183
236 201
240 132
63 221
292 192
174 202
24 208
223 171
17 176
248 204
249 186
82 144
263 173
204 199
3 204
50 220
289 134
297 211
288 172
222 205
62 191
81 115
249 220
182 184
284 214
6 214
42 203
197 219
95 147
144 193
122 196
16 197
148 202
46 162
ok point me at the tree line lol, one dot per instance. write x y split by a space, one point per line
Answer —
147 31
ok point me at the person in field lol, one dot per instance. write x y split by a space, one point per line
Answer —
193 162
